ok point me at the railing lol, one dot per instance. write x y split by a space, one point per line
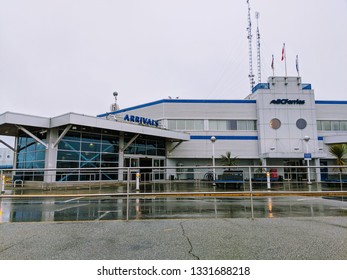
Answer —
198 182
268 177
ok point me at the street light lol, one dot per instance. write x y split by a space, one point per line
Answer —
306 139
213 139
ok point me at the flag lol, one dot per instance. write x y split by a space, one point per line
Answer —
297 64
272 63
283 52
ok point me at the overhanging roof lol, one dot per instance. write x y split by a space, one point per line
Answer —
9 122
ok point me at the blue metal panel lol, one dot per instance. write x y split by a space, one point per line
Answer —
261 86
306 87
330 102
221 137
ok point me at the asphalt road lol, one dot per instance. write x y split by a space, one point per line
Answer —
298 238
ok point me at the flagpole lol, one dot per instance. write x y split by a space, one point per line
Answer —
273 66
297 65
285 59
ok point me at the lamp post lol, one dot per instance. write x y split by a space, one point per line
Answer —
213 139
306 139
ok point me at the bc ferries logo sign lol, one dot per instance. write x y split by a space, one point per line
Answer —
141 120
288 101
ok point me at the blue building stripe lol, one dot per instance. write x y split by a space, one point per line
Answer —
197 101
330 102
221 137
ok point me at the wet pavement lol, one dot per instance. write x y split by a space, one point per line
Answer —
84 227
110 208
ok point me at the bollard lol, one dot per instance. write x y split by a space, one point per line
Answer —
2 180
268 180
138 181
251 191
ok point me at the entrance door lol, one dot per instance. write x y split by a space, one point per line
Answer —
146 169
295 170
131 162
149 168
158 173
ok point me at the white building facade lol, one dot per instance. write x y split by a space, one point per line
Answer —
280 123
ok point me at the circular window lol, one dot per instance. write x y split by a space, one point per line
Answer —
301 123
275 123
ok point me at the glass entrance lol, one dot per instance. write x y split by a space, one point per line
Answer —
149 168
131 162
295 171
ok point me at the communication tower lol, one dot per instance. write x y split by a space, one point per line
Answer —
258 48
249 37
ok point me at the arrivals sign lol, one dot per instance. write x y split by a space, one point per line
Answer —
141 120
288 101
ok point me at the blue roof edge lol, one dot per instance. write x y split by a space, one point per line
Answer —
211 101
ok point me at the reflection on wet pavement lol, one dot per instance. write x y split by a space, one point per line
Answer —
107 208
82 208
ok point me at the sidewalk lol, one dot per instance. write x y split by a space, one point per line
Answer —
259 239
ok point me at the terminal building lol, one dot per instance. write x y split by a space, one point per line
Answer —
279 124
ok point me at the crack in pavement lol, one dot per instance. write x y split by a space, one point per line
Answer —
16 243
189 242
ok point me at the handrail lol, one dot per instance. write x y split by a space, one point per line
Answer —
182 194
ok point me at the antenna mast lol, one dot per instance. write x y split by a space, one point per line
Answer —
249 37
258 48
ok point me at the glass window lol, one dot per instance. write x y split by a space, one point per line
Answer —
40 155
89 137
326 125
301 123
72 135
186 124
222 125
343 125
38 164
189 125
198 125
171 124
21 143
92 147
69 145
67 164
109 148
86 156
275 123
213 125
242 125
252 125
109 157
151 147
68 155
181 124
231 125
30 147
335 125
319 125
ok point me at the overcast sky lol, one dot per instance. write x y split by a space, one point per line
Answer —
62 56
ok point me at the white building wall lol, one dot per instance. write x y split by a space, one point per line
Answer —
287 142
6 157
294 104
